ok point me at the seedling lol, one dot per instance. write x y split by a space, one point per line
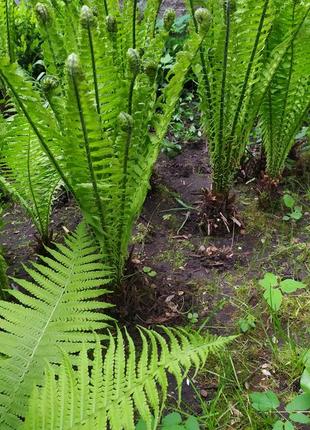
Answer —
274 288
247 323
295 212
192 317
149 271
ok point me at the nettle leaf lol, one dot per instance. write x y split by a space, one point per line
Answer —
299 403
289 201
290 285
278 425
273 297
264 402
300 418
269 280
288 426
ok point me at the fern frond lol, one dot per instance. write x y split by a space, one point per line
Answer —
58 310
228 71
7 30
108 394
29 178
288 98
78 122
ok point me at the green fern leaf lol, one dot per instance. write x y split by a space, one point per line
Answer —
58 310
120 387
288 97
29 178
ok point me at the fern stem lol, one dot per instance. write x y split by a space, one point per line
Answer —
218 169
8 30
246 80
156 15
93 62
204 71
242 97
89 161
288 80
106 10
37 132
134 17
42 229
270 132
124 181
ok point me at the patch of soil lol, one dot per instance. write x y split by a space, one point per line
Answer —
18 238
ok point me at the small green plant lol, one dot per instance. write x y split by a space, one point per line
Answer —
295 213
192 317
298 409
149 271
248 323
274 288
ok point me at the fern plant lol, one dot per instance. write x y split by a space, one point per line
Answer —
56 318
110 392
60 309
100 106
287 100
27 174
233 77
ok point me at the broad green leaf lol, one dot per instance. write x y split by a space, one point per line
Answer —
288 201
290 285
305 380
273 297
171 419
299 403
269 280
264 402
278 425
300 418
191 423
288 426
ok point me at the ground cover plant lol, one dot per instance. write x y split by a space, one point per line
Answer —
117 310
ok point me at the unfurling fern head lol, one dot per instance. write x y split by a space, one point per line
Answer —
111 24
43 14
102 126
133 58
203 18
87 17
169 18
